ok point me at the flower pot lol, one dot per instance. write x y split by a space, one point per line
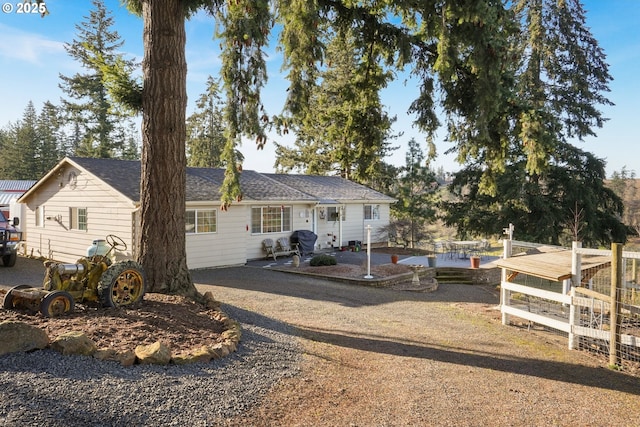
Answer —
475 262
394 259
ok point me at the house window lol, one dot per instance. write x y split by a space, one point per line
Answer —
371 212
39 216
270 219
201 221
78 219
333 213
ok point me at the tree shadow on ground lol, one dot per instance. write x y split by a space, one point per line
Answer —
572 373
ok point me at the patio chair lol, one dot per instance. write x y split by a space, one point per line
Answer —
285 248
269 248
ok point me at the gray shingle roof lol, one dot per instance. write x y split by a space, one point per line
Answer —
122 175
330 187
204 183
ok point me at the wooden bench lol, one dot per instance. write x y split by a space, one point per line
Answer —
280 248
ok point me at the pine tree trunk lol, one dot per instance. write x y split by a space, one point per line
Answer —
163 182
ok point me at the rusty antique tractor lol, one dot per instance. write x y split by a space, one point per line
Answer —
92 279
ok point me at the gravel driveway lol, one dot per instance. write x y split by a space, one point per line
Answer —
319 353
383 357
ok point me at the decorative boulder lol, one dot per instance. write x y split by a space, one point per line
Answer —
74 343
219 350
125 358
19 336
155 354
210 302
199 355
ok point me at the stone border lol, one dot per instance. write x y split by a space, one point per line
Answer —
380 282
22 337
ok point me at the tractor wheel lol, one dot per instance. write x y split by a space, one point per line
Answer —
9 260
8 298
121 284
56 303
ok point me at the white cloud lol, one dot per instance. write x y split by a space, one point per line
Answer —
27 47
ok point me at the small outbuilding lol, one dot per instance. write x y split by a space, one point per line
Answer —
10 192
84 199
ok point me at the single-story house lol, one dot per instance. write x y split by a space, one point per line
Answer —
85 199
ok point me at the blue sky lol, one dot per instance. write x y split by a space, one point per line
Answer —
32 56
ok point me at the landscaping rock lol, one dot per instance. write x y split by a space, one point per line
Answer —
18 336
74 343
125 358
199 355
156 354
219 350
210 302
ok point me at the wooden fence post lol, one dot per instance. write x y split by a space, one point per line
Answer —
576 279
615 314
504 294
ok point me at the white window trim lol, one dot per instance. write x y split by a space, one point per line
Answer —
334 211
74 219
375 212
40 216
195 226
282 219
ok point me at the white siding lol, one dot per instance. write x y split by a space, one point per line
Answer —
107 213
302 219
226 246
332 233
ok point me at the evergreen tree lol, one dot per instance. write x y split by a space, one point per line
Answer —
130 137
5 146
346 129
26 144
30 145
523 169
543 210
89 108
625 185
416 193
50 138
205 130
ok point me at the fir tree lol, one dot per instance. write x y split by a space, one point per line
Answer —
345 130
416 194
50 138
205 130
89 107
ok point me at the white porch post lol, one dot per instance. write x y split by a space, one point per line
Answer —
506 253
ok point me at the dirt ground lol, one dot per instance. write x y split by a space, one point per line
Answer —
180 323
381 357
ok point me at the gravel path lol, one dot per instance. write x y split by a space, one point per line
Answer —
44 388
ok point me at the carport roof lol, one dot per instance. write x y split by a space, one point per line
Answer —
550 263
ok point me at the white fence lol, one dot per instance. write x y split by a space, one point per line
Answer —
598 309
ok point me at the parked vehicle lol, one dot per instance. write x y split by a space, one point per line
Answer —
93 279
9 239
